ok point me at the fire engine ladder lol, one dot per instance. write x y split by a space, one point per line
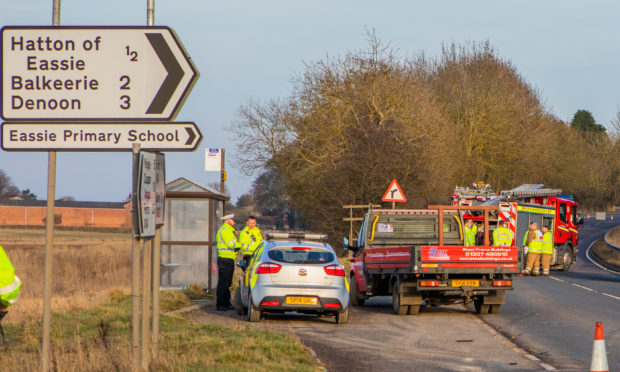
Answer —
529 191
524 191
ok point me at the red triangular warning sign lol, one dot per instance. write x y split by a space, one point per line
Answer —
394 193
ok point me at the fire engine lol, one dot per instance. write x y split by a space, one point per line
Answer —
531 203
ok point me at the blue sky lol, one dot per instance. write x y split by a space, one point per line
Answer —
568 50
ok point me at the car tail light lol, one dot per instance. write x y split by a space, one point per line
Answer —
502 283
270 303
335 270
301 248
268 268
332 305
428 283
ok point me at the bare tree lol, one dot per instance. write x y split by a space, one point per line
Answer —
7 188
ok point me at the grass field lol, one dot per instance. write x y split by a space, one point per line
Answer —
91 327
87 266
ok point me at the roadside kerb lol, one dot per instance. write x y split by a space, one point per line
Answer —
610 244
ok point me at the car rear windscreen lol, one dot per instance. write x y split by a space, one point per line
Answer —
301 255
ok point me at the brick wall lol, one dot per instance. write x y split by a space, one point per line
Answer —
97 217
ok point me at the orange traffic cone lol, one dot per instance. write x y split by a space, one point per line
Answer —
599 355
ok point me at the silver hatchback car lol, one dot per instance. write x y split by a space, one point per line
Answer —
293 274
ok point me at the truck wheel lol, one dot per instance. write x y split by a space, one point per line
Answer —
480 307
253 313
342 317
355 295
567 258
494 309
413 310
396 306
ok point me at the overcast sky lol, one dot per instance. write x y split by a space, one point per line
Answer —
568 50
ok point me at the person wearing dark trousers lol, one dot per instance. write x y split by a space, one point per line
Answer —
227 248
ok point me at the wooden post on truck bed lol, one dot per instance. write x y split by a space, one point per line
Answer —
486 208
350 219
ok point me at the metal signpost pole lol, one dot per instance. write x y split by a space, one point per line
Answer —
156 279
149 263
49 237
160 197
146 303
135 267
223 173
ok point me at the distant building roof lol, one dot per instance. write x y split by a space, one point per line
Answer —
64 203
182 185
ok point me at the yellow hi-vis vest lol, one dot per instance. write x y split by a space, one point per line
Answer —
470 235
547 243
536 244
9 283
251 239
525 238
502 236
227 242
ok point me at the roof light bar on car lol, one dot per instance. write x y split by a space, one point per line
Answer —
296 236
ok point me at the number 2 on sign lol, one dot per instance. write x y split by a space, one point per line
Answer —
132 53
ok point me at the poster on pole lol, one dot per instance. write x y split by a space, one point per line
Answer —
213 160
160 189
146 194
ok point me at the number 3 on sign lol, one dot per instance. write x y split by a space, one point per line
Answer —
125 105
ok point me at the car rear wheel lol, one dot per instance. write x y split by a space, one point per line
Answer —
396 306
567 258
241 310
355 295
253 313
342 317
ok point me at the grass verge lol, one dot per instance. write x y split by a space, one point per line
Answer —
98 339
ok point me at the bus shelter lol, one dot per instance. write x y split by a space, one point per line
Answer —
189 253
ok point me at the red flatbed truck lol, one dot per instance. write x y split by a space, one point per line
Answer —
418 258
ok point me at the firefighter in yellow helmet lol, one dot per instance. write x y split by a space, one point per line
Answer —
546 249
534 244
227 248
250 237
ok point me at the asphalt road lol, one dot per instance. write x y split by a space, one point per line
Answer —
547 323
554 318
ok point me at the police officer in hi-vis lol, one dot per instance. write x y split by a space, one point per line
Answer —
227 248
250 238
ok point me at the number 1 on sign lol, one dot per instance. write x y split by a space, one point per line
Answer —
132 53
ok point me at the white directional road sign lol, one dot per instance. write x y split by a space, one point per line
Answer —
176 136
93 73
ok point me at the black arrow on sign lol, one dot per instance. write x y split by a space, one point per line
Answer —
192 135
175 73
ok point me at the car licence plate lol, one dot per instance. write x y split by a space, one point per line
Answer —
465 283
302 301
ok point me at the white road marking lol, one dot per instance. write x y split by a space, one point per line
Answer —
558 279
531 357
594 262
547 367
583 287
612 296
